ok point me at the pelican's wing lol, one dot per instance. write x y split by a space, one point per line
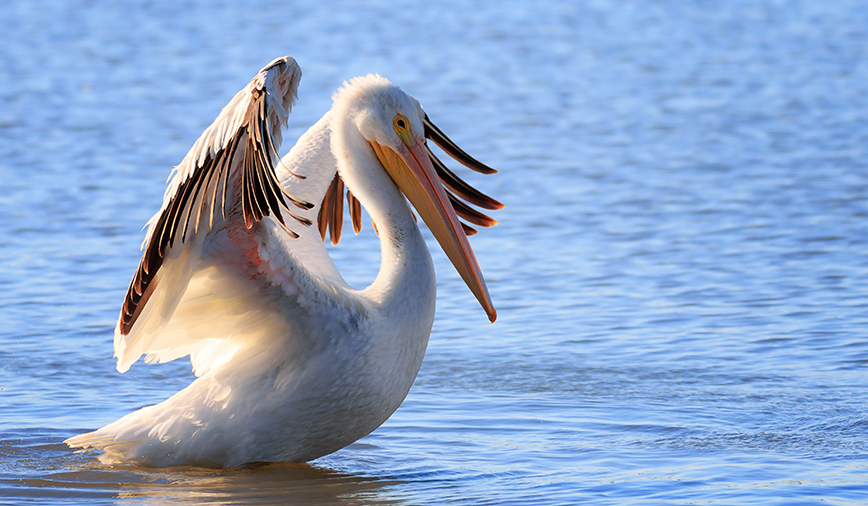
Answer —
230 169
331 215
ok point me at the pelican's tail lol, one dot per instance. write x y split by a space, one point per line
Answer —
137 438
190 428
112 449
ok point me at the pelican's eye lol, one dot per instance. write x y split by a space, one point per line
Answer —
401 124
402 127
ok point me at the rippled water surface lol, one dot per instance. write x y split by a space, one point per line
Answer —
681 271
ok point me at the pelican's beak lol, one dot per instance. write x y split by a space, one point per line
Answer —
415 176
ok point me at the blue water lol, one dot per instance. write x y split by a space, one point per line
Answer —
681 271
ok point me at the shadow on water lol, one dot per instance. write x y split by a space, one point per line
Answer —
38 468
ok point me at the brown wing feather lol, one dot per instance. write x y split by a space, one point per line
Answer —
456 188
468 230
459 187
337 216
355 211
330 220
330 217
446 144
323 218
468 213
162 236
261 196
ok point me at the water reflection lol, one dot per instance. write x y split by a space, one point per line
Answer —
295 483
85 479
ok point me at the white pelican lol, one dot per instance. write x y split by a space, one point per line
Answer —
292 363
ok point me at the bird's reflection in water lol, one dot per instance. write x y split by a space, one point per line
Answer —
300 484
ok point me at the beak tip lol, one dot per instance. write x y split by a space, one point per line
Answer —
492 315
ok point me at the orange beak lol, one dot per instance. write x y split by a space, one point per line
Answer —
415 176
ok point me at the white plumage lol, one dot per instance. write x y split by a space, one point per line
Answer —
291 362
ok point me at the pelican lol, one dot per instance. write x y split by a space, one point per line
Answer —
291 362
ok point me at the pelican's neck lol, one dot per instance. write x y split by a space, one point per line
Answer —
405 282
406 273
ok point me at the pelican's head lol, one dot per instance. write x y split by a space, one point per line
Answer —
392 127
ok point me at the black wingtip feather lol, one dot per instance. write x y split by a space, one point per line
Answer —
452 149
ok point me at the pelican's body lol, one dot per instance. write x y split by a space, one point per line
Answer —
292 363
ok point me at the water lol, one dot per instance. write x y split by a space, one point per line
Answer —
680 272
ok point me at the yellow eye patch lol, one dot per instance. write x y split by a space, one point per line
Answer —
401 124
402 127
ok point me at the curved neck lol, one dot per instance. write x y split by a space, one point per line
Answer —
406 277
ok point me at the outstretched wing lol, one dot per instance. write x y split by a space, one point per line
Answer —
330 219
230 167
